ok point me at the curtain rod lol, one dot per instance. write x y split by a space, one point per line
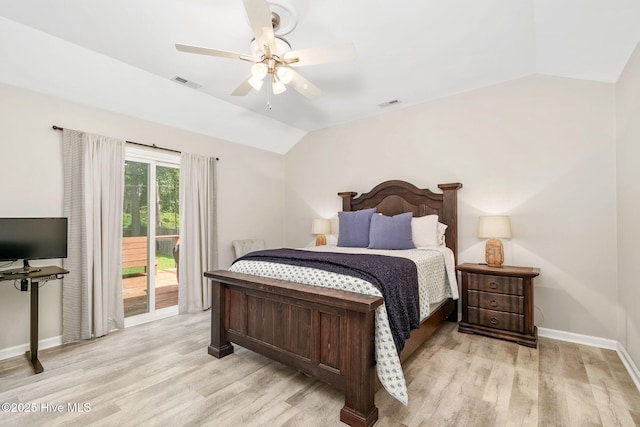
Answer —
138 143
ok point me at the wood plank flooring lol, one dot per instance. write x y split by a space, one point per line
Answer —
159 374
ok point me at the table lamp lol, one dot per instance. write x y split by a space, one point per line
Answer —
320 227
494 228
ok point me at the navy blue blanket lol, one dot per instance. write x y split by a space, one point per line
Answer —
395 277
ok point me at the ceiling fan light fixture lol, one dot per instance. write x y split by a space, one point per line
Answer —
285 75
256 82
259 70
271 55
278 87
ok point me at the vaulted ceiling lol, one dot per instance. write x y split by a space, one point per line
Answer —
410 51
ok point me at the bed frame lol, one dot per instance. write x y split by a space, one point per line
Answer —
326 333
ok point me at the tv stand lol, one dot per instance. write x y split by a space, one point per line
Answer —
26 269
34 276
18 271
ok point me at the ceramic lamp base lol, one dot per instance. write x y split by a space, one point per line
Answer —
321 240
494 253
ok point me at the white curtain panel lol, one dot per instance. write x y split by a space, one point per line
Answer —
93 198
198 231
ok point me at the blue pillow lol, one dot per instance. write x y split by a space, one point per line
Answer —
354 228
391 232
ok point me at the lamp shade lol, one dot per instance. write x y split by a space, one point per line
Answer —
278 87
321 226
494 227
259 70
285 75
256 82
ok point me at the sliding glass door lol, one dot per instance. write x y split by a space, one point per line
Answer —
150 232
167 236
136 281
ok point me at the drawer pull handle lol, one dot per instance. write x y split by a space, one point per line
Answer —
493 285
493 303
494 320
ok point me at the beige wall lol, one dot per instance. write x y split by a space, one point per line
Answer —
251 185
628 186
540 149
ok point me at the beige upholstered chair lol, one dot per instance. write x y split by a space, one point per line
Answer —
242 247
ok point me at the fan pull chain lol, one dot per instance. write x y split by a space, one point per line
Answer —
269 92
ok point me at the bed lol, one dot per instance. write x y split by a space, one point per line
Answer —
328 333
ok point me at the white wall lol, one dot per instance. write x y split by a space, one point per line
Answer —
628 186
250 185
540 149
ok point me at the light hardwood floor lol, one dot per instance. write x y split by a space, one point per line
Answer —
160 374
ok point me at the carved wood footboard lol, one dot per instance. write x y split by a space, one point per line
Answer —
328 334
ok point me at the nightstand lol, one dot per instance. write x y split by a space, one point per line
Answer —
498 302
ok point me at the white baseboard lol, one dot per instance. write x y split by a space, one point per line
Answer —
632 368
6 353
578 338
624 356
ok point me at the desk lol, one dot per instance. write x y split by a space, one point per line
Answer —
35 277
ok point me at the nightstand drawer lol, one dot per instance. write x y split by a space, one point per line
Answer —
499 284
496 319
497 302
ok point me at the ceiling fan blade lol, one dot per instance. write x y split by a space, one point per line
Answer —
321 55
259 16
213 52
244 88
304 86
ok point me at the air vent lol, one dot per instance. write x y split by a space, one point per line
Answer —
183 81
389 103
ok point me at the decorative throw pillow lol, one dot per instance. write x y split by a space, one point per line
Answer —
391 232
425 231
354 228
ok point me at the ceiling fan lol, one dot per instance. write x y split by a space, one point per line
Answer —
272 57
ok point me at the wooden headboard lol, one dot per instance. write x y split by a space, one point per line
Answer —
396 197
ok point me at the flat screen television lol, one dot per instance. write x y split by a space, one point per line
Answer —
32 238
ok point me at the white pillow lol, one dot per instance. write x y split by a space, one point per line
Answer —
424 231
441 230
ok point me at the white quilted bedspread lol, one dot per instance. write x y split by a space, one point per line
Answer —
436 281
